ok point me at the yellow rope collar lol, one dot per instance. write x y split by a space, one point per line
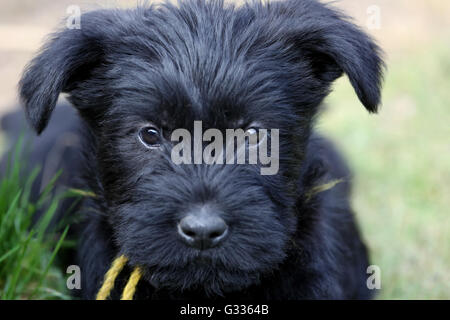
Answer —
111 275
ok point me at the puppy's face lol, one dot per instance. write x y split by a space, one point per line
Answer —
137 76
216 226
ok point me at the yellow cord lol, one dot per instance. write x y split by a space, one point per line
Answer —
321 188
130 288
110 277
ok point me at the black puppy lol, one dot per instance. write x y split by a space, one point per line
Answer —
137 75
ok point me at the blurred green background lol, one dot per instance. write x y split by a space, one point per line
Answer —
400 158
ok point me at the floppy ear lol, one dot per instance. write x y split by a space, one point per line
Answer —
335 45
66 59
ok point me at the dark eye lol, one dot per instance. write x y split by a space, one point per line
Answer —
150 137
252 134
251 131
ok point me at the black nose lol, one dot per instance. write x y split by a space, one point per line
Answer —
202 231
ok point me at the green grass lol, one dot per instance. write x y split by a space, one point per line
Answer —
401 164
28 250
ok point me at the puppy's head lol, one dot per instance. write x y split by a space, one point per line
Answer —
136 76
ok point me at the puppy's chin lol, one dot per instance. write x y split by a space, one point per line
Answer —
201 278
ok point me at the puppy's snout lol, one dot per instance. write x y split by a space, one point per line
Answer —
202 231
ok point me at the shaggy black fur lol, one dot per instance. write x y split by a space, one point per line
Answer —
266 63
